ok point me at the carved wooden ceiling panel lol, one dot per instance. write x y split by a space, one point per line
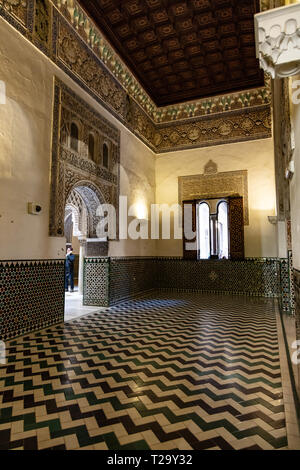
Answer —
183 50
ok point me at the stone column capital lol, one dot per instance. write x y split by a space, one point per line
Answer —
82 242
277 33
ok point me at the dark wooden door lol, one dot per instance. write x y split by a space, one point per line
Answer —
236 228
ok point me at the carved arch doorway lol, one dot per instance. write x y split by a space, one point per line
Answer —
80 227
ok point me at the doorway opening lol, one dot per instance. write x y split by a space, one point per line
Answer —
80 226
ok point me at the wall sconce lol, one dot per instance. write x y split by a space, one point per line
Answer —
273 219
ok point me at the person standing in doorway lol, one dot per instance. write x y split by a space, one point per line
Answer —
69 270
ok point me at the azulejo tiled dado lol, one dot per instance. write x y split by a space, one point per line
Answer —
296 276
32 296
129 277
96 282
65 34
110 280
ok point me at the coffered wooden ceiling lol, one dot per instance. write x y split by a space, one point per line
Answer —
183 50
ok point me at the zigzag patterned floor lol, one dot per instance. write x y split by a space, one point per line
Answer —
167 371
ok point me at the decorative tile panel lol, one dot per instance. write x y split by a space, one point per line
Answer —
255 277
291 282
296 273
296 279
285 286
96 282
31 296
128 277
96 249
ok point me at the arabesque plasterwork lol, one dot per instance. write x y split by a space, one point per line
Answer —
278 41
251 124
42 24
91 35
17 8
79 49
215 186
74 169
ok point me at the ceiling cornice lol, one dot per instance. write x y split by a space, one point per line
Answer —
100 46
71 45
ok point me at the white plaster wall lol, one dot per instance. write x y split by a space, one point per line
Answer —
137 178
25 147
295 183
257 157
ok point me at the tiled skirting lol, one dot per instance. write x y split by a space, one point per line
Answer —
257 277
297 300
297 313
96 282
109 280
131 276
32 292
31 296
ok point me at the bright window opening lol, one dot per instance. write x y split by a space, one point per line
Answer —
223 230
204 231
213 235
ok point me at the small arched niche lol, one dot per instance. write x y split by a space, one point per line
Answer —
74 137
105 151
91 146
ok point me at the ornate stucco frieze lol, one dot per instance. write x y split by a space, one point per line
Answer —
64 33
278 40
93 37
73 169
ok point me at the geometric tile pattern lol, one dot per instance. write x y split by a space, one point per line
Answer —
285 278
176 371
296 277
291 283
255 277
296 282
96 282
32 296
129 277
